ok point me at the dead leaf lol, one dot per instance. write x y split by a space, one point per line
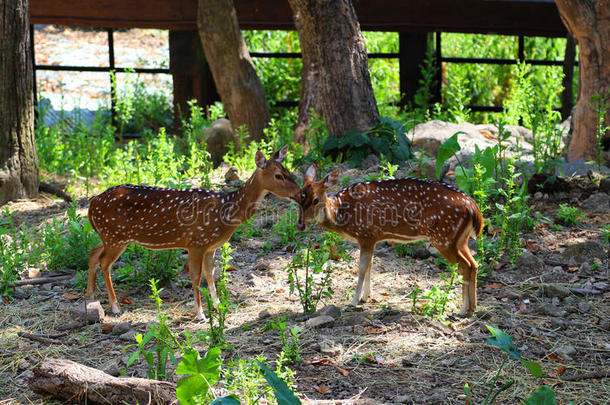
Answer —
532 246
126 300
371 330
523 308
492 285
341 370
231 268
573 269
553 357
70 296
487 134
496 231
559 370
334 254
323 389
280 290
574 278
292 299
325 360
6 300
107 328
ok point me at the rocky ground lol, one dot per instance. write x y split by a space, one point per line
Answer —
555 302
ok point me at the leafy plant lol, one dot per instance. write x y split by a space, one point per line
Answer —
568 215
201 375
606 233
16 252
433 303
289 338
164 342
387 139
601 105
317 265
217 317
543 395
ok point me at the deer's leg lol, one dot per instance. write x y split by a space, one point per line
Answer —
208 271
366 256
108 256
94 259
366 293
471 267
195 262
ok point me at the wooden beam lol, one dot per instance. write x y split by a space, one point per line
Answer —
476 16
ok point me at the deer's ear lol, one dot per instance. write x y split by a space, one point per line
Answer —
310 173
332 178
260 159
280 155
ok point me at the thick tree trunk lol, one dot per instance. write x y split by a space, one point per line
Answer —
18 161
240 89
330 35
589 22
66 380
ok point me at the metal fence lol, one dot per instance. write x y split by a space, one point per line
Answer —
293 103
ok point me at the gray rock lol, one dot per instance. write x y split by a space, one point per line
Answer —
584 306
604 185
530 261
264 314
578 168
217 137
434 251
555 290
92 314
129 335
371 161
552 310
420 252
584 252
331 310
121 328
113 370
558 323
323 321
598 203
605 324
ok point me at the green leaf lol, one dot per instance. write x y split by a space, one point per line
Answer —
330 144
228 400
380 145
404 146
203 373
445 151
357 139
544 395
533 367
503 342
132 358
283 394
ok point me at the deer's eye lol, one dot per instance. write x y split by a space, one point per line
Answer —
316 201
278 176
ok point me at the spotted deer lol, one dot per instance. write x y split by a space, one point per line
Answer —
196 220
401 210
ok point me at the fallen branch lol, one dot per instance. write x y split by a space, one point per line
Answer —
585 291
42 338
587 376
67 380
42 280
71 326
51 189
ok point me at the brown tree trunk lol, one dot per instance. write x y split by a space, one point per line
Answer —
240 89
330 35
67 380
589 22
18 161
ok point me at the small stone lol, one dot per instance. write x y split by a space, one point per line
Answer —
121 328
323 321
129 335
33 272
555 290
510 294
330 348
92 314
605 324
264 314
552 310
434 251
585 267
566 351
530 261
558 323
403 399
557 269
584 306
601 285
604 185
371 161
538 195
331 310
113 370
598 203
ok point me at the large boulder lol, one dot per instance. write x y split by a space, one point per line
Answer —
430 135
217 137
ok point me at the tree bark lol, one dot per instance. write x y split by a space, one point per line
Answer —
589 23
335 59
240 89
18 161
67 380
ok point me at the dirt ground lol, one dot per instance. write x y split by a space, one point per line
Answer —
409 358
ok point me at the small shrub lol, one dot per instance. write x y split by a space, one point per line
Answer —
569 216
291 352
